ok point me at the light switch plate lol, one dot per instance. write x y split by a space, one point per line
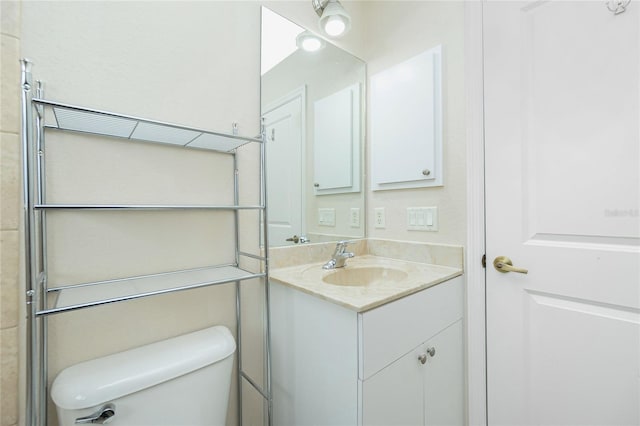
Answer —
327 217
378 217
422 218
354 217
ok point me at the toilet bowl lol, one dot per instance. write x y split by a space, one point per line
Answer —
181 381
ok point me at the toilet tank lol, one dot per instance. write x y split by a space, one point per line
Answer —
180 381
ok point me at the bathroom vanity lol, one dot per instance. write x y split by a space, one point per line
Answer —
378 342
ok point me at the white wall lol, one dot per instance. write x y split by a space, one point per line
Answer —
397 31
193 63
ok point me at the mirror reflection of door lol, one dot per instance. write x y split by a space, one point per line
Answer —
325 214
284 127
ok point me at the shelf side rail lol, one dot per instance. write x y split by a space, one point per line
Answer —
33 296
267 293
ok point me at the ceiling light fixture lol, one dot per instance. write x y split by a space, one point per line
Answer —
309 42
334 20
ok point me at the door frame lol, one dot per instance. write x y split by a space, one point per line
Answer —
300 92
475 326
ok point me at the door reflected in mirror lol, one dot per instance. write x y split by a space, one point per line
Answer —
313 109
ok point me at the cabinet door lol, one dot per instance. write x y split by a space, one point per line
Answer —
444 378
406 124
395 395
336 145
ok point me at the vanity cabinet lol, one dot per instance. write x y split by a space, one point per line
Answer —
408 392
335 366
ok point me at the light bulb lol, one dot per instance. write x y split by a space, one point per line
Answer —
311 44
334 20
335 26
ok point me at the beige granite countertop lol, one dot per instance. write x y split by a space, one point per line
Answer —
308 278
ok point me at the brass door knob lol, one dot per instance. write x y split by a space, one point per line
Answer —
504 264
295 239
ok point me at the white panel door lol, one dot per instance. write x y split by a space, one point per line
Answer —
562 198
284 130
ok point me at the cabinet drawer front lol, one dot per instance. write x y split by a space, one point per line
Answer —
390 331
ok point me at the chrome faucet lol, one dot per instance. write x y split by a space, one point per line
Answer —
339 257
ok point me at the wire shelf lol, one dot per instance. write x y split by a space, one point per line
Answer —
85 120
143 207
79 296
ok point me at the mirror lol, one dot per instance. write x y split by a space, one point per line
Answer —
313 109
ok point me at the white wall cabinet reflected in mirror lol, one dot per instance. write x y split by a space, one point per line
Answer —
336 148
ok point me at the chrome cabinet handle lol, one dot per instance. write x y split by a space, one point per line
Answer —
100 417
422 358
504 264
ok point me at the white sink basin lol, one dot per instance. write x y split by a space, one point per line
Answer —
364 276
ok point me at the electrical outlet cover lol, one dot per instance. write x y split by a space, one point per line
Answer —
378 218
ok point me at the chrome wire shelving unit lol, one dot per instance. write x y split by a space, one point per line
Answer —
71 297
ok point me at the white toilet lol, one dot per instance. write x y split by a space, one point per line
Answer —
183 381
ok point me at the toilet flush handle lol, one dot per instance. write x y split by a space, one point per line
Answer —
100 417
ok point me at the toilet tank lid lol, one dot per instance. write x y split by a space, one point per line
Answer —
105 379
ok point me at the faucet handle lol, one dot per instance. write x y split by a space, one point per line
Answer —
341 246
